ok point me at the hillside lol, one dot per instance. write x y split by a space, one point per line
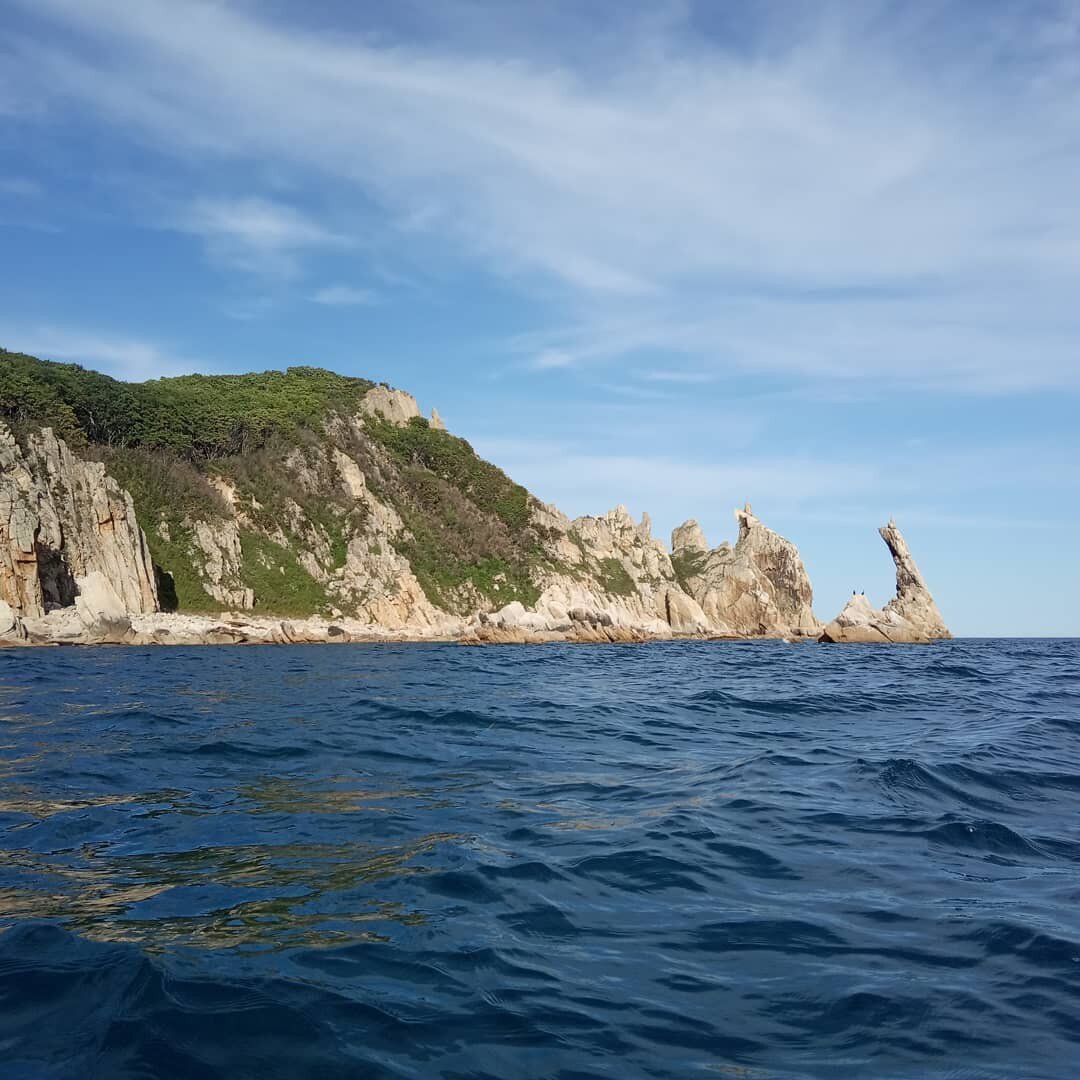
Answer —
307 495
237 483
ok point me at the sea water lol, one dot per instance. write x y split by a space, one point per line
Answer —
670 860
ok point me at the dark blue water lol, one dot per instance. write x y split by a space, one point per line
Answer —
736 860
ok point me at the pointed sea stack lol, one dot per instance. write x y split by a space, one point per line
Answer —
910 617
758 588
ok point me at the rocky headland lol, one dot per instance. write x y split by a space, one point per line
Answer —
303 506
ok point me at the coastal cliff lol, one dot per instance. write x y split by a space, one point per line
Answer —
307 506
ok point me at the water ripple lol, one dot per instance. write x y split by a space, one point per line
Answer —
746 860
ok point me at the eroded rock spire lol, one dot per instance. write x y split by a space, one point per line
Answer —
758 587
911 616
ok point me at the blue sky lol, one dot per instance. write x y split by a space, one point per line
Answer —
672 255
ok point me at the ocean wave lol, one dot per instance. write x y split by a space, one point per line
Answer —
696 859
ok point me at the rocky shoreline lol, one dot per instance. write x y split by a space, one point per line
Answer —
192 630
76 565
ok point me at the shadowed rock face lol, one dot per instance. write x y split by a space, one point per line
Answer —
757 588
910 617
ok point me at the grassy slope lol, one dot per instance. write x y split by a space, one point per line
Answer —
467 522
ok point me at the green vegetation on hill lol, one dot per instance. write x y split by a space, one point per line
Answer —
687 565
467 522
454 460
197 417
168 492
615 578
281 584
467 532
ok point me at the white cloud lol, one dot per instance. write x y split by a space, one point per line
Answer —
344 296
553 358
256 234
130 359
859 193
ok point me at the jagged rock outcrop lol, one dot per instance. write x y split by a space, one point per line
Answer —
397 406
68 536
613 566
689 537
605 578
305 506
911 617
913 602
221 562
758 588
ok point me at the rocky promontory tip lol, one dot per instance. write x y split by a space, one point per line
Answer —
758 588
911 617
305 506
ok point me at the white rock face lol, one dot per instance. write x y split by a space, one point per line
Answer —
62 519
394 405
688 537
221 562
910 617
98 603
757 588
684 614
352 479
617 579
436 421
11 627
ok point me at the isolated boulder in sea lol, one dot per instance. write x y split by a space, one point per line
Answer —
757 588
910 617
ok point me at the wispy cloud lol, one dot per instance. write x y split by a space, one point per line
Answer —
131 359
858 192
344 296
669 488
255 234
547 359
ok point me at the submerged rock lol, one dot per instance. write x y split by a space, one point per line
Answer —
910 617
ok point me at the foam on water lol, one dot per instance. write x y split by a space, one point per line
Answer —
750 860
